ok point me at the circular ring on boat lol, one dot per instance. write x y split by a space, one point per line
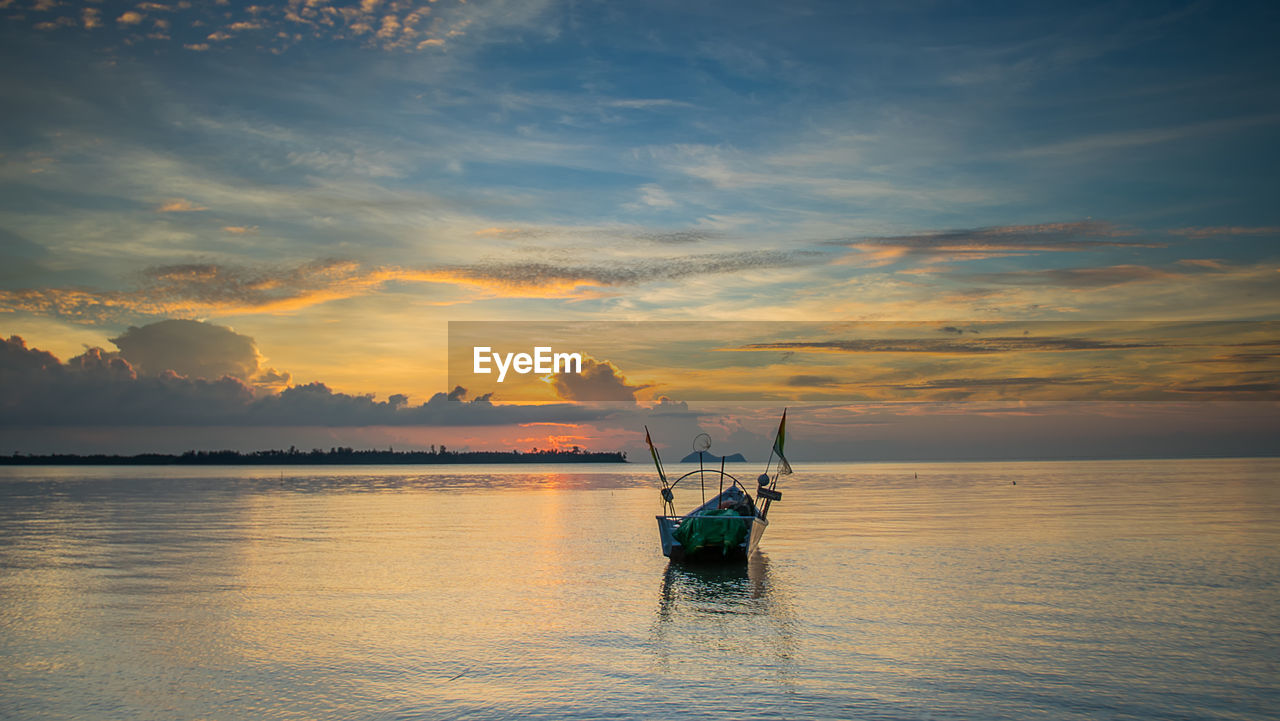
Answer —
708 470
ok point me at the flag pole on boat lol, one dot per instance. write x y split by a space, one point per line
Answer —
784 467
701 443
768 486
667 496
779 439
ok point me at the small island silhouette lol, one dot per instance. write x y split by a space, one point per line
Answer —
708 457
317 456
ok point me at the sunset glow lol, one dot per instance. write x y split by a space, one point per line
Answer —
284 205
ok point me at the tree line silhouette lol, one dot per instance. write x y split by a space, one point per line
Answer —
318 456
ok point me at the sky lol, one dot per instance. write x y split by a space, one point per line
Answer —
234 225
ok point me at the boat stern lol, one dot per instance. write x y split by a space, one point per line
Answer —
667 526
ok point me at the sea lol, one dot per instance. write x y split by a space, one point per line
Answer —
1137 589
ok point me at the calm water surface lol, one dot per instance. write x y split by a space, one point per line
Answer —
1125 590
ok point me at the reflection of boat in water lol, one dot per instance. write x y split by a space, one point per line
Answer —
742 589
731 524
704 609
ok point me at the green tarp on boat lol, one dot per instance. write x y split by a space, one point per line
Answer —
724 529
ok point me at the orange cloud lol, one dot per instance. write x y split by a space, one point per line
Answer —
390 26
179 205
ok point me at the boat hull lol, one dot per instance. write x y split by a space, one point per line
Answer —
673 549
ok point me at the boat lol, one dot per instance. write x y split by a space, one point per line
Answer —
729 526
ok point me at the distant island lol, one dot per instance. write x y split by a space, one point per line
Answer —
712 458
319 457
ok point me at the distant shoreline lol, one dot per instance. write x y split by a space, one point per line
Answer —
316 457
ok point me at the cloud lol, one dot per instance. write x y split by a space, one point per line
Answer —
1247 389
648 103
625 272
207 288
598 381
1110 142
950 346
813 381
1079 277
653 196
678 237
1020 382
275 381
995 241
203 288
179 205
1226 231
98 388
399 24
189 348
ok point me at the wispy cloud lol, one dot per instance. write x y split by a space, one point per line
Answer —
997 241
1225 231
648 103
402 25
193 290
1079 277
179 205
951 346
1078 148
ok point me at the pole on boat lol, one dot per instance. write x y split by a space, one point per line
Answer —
721 474
701 443
702 478
667 497
768 485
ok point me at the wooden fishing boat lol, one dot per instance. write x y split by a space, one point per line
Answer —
729 526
